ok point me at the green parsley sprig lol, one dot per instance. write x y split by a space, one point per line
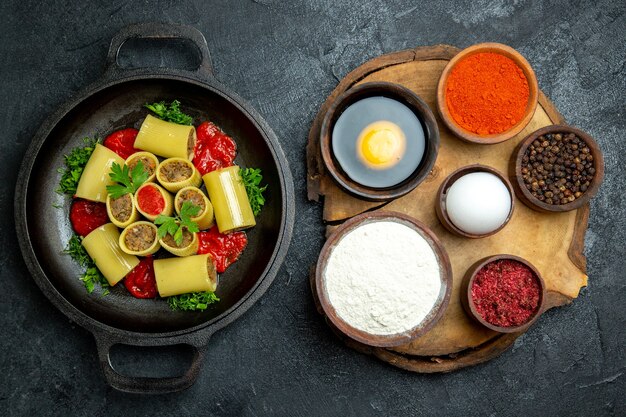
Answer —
170 112
192 301
251 178
75 163
76 251
92 275
128 181
174 225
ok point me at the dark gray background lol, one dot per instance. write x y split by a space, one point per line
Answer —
280 358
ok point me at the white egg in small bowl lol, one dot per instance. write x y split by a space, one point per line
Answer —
475 201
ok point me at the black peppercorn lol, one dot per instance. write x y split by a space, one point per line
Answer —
557 168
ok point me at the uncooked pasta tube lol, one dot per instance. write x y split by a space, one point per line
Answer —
184 275
152 200
166 139
149 161
229 199
95 178
102 245
140 238
176 173
122 210
188 246
204 219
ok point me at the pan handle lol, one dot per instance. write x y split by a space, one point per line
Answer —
150 385
157 30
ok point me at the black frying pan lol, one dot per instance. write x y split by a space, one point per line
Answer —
116 102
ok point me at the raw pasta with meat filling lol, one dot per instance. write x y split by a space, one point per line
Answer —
103 247
95 177
122 210
188 246
140 238
149 161
166 139
204 219
184 275
230 200
177 173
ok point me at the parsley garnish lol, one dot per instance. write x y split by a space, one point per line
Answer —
192 301
75 162
76 251
92 274
174 225
127 181
170 113
251 179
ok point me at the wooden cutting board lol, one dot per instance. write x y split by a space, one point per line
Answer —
553 242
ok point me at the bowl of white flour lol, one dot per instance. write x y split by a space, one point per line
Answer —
383 279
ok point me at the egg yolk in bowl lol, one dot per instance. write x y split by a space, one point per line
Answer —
378 142
381 144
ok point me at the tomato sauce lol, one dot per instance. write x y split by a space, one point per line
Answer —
214 148
86 216
150 200
223 248
140 282
506 293
122 142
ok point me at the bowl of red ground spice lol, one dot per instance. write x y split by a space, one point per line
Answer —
504 293
557 168
487 93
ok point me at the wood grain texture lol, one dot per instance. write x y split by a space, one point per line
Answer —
552 242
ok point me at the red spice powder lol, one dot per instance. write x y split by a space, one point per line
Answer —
487 93
506 293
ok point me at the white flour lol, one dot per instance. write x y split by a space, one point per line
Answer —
383 278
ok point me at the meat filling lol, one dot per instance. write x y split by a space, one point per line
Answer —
191 142
148 164
211 269
195 198
122 208
140 237
187 239
176 171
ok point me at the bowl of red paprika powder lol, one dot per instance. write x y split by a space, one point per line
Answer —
487 93
504 293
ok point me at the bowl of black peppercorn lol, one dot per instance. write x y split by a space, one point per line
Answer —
557 168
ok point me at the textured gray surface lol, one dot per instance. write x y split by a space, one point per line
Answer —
280 358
